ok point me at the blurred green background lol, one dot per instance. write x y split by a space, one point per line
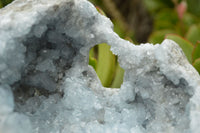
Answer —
4 2
141 21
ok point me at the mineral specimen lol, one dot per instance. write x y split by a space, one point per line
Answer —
46 85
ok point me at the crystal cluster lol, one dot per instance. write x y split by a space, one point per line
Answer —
46 85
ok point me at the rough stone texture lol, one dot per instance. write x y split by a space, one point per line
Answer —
46 85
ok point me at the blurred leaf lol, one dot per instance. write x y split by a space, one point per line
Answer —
196 65
189 20
5 2
1 5
169 3
119 29
155 5
193 34
92 59
128 39
105 65
166 19
96 2
193 6
118 77
100 11
159 36
196 51
163 24
186 46
93 62
122 31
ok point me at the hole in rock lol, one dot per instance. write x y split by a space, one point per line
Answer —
106 66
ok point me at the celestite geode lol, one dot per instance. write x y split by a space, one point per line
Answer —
46 85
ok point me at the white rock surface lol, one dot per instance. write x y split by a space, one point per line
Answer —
46 85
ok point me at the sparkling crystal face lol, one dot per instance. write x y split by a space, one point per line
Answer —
48 87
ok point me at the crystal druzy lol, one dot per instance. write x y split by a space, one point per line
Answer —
47 86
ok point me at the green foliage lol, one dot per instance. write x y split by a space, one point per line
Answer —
190 20
196 64
193 6
161 20
156 5
93 57
159 36
118 77
196 52
106 66
193 34
5 2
